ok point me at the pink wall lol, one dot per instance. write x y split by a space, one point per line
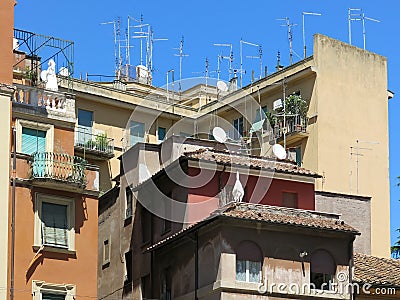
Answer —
203 199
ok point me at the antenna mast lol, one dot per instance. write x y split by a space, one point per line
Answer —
241 58
181 55
230 58
117 45
290 36
304 31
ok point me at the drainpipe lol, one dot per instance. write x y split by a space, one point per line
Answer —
196 266
351 266
14 163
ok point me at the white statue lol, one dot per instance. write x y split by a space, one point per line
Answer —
237 191
49 76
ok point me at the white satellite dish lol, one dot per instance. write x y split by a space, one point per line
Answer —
63 71
222 86
219 134
279 151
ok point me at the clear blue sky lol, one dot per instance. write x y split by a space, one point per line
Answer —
207 22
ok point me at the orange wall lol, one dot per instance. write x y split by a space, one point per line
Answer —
64 140
79 269
6 38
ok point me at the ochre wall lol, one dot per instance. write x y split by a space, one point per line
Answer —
6 38
79 269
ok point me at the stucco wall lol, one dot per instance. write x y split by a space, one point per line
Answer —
354 210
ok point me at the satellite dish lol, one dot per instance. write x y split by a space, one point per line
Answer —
277 104
279 151
219 134
222 86
63 71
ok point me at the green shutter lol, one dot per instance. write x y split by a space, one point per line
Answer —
33 140
54 224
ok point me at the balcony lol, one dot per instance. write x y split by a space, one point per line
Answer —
39 101
57 167
98 146
295 128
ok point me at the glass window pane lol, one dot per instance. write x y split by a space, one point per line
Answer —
161 133
85 118
54 224
48 296
254 271
241 270
136 132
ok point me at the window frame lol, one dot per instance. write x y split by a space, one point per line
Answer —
296 194
41 287
238 129
158 134
106 260
70 203
131 144
128 192
48 128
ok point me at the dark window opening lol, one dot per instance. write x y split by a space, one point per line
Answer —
129 203
323 269
290 200
166 285
128 266
146 287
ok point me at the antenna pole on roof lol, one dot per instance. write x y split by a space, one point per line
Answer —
230 58
304 30
289 35
241 58
181 55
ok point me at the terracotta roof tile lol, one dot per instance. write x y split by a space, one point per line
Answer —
273 215
376 270
255 162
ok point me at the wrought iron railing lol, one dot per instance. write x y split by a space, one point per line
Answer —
293 125
94 142
39 97
57 166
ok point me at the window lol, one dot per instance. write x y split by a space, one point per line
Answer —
54 222
161 132
323 269
85 124
146 223
128 266
50 291
248 262
290 200
238 128
129 203
166 284
106 252
34 137
146 287
136 132
298 156
167 224
259 119
33 140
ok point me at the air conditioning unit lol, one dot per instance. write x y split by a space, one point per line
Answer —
277 104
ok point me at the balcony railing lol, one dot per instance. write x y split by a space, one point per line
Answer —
94 143
57 166
293 125
39 97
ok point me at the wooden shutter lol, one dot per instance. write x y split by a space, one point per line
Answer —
33 140
54 224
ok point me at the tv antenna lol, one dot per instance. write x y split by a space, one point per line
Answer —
141 35
117 44
304 30
241 70
356 14
230 58
357 154
259 57
289 35
181 56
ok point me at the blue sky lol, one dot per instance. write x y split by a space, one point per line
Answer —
207 22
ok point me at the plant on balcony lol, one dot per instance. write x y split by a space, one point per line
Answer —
102 142
90 145
295 105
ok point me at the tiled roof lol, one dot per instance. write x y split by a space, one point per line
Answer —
285 215
376 270
254 162
272 215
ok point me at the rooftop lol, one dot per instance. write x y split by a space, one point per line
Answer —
271 215
254 162
376 270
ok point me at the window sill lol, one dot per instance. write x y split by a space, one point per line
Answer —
54 249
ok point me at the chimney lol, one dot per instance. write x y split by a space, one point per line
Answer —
6 38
